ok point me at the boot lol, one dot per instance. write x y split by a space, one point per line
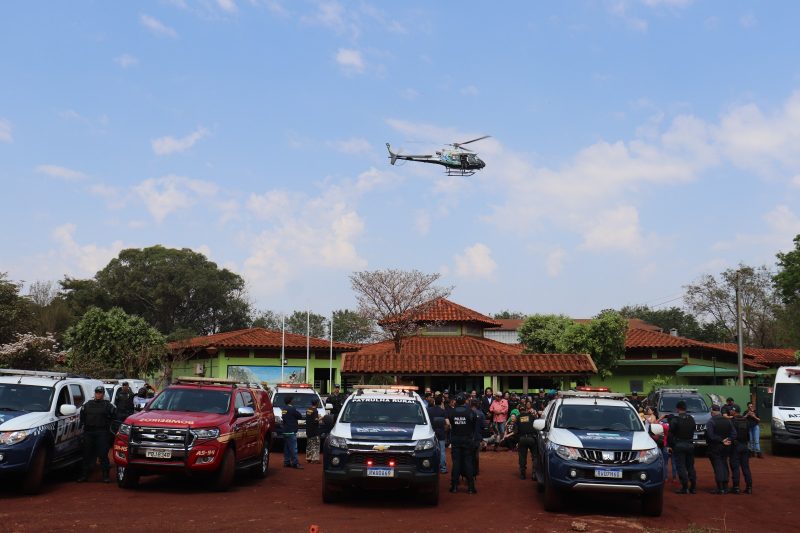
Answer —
106 479
735 490
522 473
692 487
453 488
683 490
759 455
81 478
748 489
472 490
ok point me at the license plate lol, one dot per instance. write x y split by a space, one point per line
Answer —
158 454
301 434
380 472
606 473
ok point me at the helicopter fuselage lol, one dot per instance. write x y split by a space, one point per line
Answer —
456 162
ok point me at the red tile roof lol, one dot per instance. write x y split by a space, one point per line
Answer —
513 324
443 310
764 356
460 355
640 338
256 338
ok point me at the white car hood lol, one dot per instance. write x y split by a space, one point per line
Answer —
26 421
616 440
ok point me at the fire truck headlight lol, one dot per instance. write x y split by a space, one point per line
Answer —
208 433
125 429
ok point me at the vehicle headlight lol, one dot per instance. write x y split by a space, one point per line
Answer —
337 442
13 437
125 429
424 444
208 433
777 423
648 456
567 453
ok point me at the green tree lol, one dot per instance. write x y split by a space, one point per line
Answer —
31 352
267 319
353 327
787 279
603 337
16 312
675 317
317 324
108 343
505 314
51 312
171 289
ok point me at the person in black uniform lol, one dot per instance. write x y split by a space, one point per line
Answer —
95 419
290 416
461 421
681 433
527 442
740 454
336 400
720 436
480 425
123 403
437 416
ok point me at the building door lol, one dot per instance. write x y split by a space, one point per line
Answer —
322 380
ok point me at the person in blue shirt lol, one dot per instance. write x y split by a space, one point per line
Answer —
290 416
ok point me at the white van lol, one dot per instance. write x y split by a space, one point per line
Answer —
786 408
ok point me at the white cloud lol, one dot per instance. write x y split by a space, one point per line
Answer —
555 262
475 262
168 145
64 173
165 195
5 131
355 145
81 259
782 225
422 222
619 8
668 3
126 60
227 5
157 27
350 60
614 229
112 195
796 181
334 16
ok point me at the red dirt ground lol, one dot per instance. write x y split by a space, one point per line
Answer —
290 500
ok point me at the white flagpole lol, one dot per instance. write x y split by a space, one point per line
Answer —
308 345
330 361
283 342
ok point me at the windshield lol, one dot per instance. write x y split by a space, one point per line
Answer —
192 400
694 404
376 410
598 418
14 397
786 395
301 402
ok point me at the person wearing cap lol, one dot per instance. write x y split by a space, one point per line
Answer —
461 422
720 436
123 402
681 446
730 404
95 419
740 453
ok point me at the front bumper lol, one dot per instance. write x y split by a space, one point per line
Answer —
410 470
17 457
580 476
782 436
203 457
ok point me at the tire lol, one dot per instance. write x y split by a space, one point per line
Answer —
653 503
329 493
223 478
553 498
430 495
127 478
261 470
32 482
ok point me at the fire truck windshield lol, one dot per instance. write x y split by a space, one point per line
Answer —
192 400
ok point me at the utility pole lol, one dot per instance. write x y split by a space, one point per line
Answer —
739 340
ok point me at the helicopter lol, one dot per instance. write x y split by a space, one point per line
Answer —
457 161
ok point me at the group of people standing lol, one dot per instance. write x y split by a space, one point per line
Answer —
728 439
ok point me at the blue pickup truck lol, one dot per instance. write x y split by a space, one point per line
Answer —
40 423
596 442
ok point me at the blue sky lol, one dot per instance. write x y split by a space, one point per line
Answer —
635 144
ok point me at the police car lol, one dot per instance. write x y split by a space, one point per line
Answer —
596 442
39 423
383 438
302 394
114 385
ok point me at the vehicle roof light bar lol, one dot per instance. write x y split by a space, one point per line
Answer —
294 385
192 380
591 394
678 389
793 372
386 389
34 373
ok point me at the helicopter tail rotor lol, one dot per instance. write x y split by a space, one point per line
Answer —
392 155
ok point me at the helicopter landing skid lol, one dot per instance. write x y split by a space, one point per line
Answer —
459 172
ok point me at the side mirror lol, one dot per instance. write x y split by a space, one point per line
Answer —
245 411
657 430
329 406
538 424
67 410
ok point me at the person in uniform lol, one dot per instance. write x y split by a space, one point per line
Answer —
527 442
123 403
336 400
720 436
730 404
740 454
461 421
312 432
437 416
95 419
680 435
480 425
290 416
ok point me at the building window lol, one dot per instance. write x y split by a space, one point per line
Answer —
472 330
504 336
445 329
637 385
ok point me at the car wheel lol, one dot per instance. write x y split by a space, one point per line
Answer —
262 468
653 503
32 482
553 498
127 478
430 495
330 494
224 476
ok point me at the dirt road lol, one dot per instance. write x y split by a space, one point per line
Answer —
289 500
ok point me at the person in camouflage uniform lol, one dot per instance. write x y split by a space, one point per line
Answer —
312 432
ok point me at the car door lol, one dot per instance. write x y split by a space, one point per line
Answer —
246 427
67 435
543 436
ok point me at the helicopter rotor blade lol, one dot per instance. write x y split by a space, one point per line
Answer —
473 140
